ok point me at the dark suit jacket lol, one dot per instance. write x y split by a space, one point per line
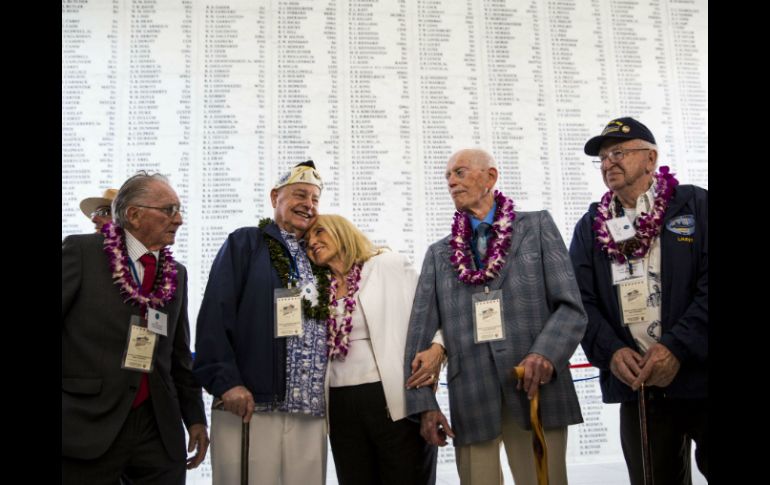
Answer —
96 393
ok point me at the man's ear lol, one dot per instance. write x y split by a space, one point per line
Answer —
492 171
274 198
133 217
652 160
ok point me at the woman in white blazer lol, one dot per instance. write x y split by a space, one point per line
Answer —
370 300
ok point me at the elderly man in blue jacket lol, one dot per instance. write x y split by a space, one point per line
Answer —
641 261
261 369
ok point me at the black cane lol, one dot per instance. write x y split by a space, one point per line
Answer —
219 406
245 453
646 452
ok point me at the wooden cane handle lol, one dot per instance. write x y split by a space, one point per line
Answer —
519 371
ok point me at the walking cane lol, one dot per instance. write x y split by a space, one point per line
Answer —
538 436
245 453
646 452
219 406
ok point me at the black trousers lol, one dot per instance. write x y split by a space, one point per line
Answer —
672 425
369 448
136 457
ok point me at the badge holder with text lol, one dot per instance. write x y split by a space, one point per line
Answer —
287 312
140 346
488 316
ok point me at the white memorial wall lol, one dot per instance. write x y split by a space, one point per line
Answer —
222 96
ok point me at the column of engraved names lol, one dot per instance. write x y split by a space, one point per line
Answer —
89 93
576 61
144 87
689 33
183 140
293 73
228 115
449 99
641 68
505 33
375 96
535 97
305 90
403 187
157 96
332 151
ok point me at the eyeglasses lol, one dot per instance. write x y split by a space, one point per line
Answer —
170 210
102 212
615 155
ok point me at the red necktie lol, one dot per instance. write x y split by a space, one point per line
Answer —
148 261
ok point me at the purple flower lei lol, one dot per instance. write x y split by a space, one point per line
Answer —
499 243
115 248
648 225
338 339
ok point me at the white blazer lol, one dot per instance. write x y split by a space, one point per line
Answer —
386 292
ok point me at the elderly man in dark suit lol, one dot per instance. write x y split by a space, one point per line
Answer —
127 384
502 289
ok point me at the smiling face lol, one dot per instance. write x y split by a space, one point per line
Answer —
631 174
296 207
322 249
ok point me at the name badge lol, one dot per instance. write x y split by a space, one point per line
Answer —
633 296
488 316
621 228
623 272
157 321
288 312
140 347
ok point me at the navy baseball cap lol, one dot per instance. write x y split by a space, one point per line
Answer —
623 128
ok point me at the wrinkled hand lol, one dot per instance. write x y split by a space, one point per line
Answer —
434 428
426 367
199 440
537 371
626 365
659 367
239 401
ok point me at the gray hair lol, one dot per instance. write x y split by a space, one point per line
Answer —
646 144
133 190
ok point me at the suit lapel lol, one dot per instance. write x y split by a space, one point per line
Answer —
516 237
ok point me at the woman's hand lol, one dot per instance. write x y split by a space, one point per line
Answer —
426 367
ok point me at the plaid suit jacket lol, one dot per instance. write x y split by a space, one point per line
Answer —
542 312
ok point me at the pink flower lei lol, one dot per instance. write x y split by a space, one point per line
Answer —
115 248
648 225
338 339
499 243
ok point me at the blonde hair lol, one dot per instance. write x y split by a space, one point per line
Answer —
352 244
